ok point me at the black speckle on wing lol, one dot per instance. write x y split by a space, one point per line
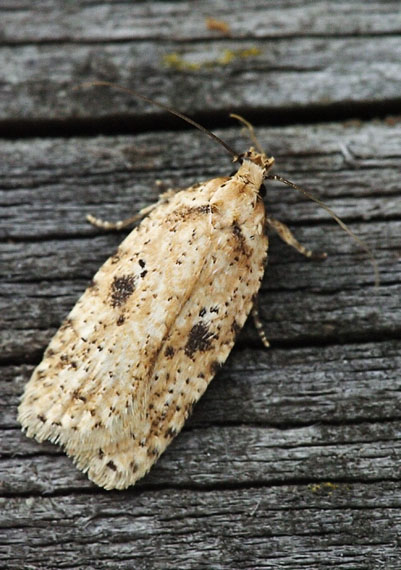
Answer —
199 339
121 289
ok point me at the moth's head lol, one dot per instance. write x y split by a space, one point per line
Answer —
260 159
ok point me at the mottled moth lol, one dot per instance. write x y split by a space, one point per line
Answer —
121 375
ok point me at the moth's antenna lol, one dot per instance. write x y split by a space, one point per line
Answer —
165 108
360 242
251 130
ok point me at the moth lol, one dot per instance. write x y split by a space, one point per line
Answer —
120 377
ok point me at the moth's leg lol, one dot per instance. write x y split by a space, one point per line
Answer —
105 225
259 326
286 235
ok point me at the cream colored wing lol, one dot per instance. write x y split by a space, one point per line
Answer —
139 348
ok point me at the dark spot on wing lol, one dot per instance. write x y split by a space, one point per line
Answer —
170 432
66 325
115 258
111 465
152 452
121 289
237 231
240 238
215 367
169 352
64 361
185 212
199 339
120 320
205 209
78 396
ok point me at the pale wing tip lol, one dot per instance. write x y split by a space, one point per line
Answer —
109 470
36 426
107 474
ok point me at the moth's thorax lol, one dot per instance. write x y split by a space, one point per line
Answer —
237 199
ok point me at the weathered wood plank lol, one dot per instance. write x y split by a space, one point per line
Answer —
287 527
345 71
229 455
49 185
115 20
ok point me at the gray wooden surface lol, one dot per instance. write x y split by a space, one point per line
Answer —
292 458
